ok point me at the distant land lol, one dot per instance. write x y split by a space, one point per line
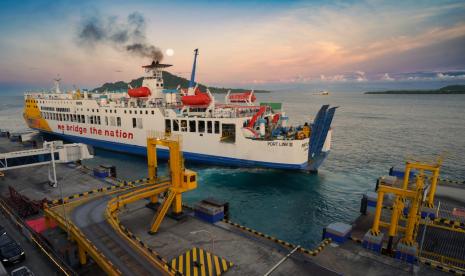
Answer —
171 82
450 89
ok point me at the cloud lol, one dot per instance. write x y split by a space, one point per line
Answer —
431 76
327 40
333 78
302 42
360 76
386 77
445 76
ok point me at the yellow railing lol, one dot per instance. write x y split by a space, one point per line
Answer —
83 242
445 260
111 215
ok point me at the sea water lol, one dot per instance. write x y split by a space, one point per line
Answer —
370 134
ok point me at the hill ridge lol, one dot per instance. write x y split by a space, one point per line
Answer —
450 89
170 81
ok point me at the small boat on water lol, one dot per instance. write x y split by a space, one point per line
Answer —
322 93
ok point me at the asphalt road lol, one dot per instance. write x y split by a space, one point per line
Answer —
90 218
36 261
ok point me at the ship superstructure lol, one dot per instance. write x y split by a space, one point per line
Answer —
236 132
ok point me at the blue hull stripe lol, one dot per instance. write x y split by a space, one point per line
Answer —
190 156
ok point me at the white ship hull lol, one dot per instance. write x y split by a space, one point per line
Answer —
202 147
224 134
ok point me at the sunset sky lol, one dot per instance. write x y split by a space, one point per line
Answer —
240 42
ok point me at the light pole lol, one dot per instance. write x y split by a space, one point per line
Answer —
52 152
60 187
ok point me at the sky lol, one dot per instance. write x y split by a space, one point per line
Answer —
239 42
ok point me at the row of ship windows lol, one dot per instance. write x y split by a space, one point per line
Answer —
55 102
97 110
125 111
192 126
77 118
90 119
58 109
170 125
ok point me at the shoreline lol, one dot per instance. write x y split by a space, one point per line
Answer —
446 90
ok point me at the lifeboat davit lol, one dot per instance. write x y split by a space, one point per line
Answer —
242 97
140 92
199 98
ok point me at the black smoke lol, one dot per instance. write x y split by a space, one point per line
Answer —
124 35
145 50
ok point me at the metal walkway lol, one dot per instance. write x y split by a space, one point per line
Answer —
54 151
443 246
90 219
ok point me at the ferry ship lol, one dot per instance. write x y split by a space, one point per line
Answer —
237 132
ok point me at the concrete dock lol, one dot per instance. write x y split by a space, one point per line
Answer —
249 253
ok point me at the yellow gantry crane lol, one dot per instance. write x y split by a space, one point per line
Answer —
182 179
415 195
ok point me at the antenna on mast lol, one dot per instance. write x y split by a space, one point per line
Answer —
192 81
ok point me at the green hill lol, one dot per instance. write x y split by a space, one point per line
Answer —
171 82
450 89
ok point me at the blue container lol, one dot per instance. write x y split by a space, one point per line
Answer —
336 238
100 173
372 199
209 218
406 257
432 216
400 172
371 203
372 246
339 232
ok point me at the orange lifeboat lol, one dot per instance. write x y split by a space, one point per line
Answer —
139 92
199 98
242 97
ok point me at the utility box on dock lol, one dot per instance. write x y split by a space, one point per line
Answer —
209 212
100 172
407 253
389 179
110 169
373 241
338 232
400 172
372 198
368 202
